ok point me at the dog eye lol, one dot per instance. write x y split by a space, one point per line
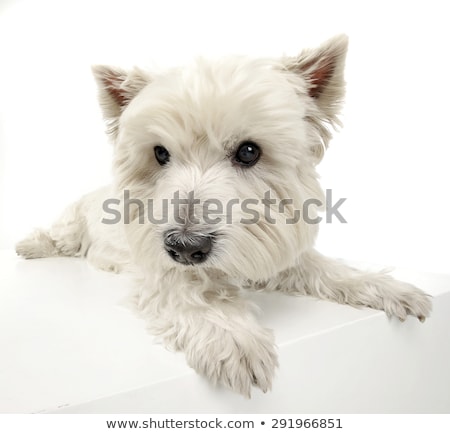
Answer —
247 154
162 155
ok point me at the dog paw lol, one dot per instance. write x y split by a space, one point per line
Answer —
409 301
238 361
37 245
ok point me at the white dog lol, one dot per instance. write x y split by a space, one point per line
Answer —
194 148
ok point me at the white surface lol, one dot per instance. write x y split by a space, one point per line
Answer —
68 344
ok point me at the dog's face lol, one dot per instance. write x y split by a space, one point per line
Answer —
222 157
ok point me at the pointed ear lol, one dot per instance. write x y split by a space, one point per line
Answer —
116 89
323 71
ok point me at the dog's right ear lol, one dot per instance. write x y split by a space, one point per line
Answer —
117 88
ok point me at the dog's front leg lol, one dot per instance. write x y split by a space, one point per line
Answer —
215 328
330 279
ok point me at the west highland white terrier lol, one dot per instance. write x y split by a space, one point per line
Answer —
212 165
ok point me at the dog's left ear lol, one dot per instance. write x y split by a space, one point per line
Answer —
117 88
323 71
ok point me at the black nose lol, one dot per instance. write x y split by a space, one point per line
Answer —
187 249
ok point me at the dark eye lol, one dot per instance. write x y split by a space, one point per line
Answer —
162 155
247 154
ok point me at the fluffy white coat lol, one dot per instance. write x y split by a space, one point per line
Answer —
201 115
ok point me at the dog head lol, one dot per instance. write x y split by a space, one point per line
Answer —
218 159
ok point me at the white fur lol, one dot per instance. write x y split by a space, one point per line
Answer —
201 114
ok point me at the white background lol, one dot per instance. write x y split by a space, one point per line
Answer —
391 160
